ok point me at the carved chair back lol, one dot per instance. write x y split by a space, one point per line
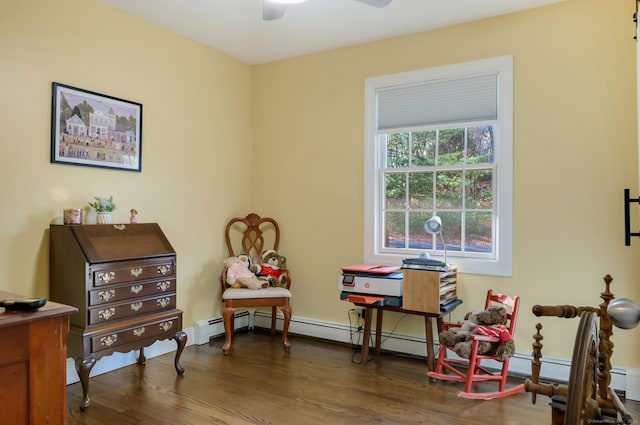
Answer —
252 235
512 305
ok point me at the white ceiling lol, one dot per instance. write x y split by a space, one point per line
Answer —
235 27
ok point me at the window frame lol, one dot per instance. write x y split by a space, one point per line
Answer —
501 264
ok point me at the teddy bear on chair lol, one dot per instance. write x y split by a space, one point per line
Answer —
487 322
272 269
238 274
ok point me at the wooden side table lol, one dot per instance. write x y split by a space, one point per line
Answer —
33 362
428 324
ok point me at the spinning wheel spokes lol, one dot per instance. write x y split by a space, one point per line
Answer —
582 403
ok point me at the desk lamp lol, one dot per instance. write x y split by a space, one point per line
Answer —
434 226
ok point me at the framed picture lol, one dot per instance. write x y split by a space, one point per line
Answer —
95 130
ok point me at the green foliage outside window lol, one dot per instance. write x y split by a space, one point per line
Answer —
448 172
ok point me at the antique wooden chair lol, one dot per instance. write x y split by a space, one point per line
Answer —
249 235
472 370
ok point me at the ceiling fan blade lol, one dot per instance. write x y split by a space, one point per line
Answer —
376 3
272 11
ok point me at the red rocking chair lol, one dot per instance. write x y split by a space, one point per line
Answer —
472 370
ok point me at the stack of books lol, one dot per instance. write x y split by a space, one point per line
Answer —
450 304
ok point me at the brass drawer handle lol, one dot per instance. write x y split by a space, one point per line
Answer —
163 286
106 277
165 326
106 314
136 306
136 272
139 331
136 289
163 302
106 295
164 269
108 340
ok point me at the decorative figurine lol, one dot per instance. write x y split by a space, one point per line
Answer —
133 219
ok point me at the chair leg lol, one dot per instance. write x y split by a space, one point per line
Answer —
252 318
273 320
473 365
229 324
442 353
286 311
505 373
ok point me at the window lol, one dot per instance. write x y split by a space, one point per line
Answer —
439 142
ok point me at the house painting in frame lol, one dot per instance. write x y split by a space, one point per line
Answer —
95 130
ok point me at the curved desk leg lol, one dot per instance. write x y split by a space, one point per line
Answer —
84 367
181 339
141 357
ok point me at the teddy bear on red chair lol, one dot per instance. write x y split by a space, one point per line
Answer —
487 322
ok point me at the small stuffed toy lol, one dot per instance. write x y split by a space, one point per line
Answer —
271 268
460 333
239 275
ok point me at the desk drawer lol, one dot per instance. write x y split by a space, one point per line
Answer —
114 293
115 273
162 328
112 312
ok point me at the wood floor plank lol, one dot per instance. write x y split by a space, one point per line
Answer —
316 383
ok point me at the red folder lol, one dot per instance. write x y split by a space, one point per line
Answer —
368 268
363 299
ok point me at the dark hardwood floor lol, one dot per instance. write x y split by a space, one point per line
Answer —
316 383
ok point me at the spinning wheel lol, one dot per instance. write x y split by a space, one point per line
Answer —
582 403
588 397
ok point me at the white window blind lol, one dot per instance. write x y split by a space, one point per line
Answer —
467 99
476 93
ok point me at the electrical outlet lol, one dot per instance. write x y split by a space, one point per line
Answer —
361 313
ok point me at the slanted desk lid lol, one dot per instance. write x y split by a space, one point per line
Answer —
114 242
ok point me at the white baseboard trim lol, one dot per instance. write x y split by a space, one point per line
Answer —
206 329
553 369
119 360
633 384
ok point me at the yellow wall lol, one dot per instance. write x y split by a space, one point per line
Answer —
196 117
575 150
206 116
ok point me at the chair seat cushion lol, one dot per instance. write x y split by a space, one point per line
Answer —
244 293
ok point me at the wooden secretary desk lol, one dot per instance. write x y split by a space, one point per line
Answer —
122 279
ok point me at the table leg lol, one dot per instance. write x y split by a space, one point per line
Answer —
440 324
378 331
368 313
428 327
